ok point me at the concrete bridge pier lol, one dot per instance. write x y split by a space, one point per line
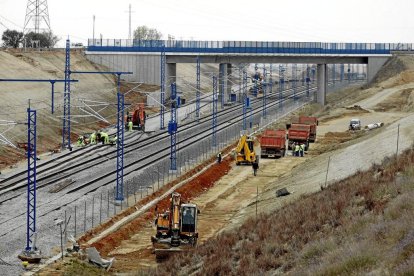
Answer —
170 77
374 65
222 81
322 82
225 69
229 84
171 73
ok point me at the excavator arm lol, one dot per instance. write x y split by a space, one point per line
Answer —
247 152
241 144
175 227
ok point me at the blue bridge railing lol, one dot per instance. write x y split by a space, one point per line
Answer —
252 47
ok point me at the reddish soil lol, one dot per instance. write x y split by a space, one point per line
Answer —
188 191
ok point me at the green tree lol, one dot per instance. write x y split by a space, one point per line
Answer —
145 33
45 39
12 38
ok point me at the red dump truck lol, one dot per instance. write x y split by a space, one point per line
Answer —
299 133
313 123
273 143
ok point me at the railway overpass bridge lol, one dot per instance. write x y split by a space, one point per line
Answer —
144 57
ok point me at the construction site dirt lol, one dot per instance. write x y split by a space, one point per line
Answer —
227 194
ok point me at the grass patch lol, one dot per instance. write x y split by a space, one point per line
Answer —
75 267
350 266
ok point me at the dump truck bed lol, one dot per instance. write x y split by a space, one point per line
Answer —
312 122
273 143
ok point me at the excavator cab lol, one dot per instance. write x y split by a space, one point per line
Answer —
188 219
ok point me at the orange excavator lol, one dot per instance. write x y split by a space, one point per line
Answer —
137 116
176 228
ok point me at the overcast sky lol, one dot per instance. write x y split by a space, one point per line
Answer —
266 20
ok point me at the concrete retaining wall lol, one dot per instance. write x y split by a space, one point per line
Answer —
145 66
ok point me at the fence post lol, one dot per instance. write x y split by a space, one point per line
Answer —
75 221
93 208
158 175
107 210
84 220
114 203
66 228
100 210
127 202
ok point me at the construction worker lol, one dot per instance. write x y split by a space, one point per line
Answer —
219 157
297 149
255 166
130 124
294 149
81 141
104 137
93 138
113 140
302 149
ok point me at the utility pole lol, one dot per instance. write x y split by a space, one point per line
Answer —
37 12
130 22
66 101
120 144
214 122
271 79
162 93
264 88
93 30
221 80
172 129
244 99
198 92
281 84
256 79
294 79
129 34
308 80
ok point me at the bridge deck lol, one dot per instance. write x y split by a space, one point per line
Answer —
247 47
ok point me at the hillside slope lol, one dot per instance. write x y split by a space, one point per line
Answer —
357 224
48 65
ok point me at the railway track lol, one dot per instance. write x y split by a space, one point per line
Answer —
58 168
109 177
51 205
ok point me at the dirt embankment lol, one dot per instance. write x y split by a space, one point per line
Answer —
90 90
